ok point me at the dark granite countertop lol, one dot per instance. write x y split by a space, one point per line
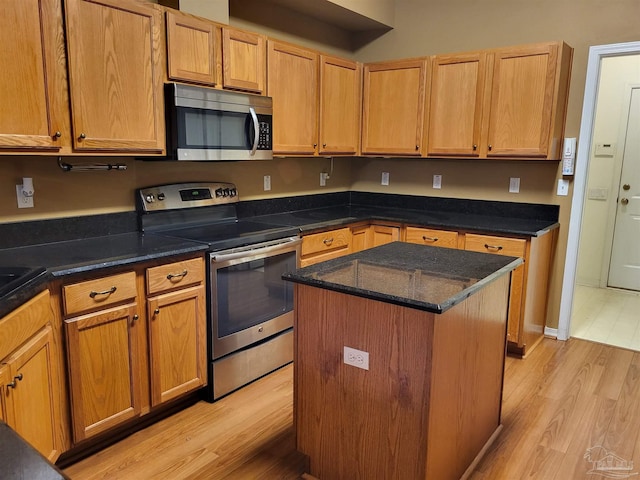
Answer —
85 255
417 276
20 461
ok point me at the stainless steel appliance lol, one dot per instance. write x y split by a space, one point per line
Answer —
207 124
250 307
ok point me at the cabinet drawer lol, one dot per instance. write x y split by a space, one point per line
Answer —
173 275
326 241
101 292
435 238
514 247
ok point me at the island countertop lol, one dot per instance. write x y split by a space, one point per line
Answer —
432 279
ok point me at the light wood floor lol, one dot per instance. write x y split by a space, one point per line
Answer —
563 399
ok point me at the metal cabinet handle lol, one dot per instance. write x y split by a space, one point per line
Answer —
93 293
156 311
135 317
429 239
490 147
12 384
624 201
417 147
324 145
58 134
82 136
328 241
497 248
475 147
178 276
626 186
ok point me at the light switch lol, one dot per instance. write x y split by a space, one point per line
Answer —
563 188
437 181
385 178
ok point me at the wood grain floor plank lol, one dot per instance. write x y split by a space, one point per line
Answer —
561 400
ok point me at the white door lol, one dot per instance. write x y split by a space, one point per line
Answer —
624 269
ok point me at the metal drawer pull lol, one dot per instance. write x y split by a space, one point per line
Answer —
429 239
497 248
13 383
328 241
93 293
171 276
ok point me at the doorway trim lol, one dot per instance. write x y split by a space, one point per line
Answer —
596 53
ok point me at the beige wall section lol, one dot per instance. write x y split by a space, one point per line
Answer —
610 121
382 11
64 194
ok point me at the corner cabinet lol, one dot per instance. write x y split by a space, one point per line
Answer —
35 113
292 82
115 76
31 384
393 107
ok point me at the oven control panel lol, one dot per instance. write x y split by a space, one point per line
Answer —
186 195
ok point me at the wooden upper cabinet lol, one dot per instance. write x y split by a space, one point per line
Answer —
190 49
34 112
526 112
340 105
115 75
292 82
455 104
394 107
244 60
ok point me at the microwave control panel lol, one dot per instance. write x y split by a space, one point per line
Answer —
264 134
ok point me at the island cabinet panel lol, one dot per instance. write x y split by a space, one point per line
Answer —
340 106
244 60
33 79
292 82
417 412
394 107
191 55
115 75
455 104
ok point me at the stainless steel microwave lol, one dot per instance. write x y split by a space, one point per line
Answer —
204 124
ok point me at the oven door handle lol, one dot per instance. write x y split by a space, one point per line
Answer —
251 252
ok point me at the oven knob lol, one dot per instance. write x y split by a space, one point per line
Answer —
218 192
226 192
234 192
161 196
150 198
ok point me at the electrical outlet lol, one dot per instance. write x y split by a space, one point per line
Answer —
437 181
323 179
23 200
563 188
267 183
385 178
514 185
356 358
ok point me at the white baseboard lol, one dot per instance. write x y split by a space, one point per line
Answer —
550 332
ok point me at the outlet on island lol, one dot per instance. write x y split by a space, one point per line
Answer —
356 358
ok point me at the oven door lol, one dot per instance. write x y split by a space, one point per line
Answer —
249 301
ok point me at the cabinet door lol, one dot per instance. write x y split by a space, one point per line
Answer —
340 101
292 82
190 49
381 234
360 238
244 60
104 364
115 75
32 406
393 107
5 378
178 348
34 112
455 104
522 101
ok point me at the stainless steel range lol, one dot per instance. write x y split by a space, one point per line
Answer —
250 307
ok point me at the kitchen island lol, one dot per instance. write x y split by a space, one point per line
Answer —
428 326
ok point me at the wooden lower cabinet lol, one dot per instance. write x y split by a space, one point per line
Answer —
122 363
369 236
319 247
31 384
429 236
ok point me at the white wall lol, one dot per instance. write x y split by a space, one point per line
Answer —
616 73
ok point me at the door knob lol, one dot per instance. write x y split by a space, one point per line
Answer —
626 186
624 201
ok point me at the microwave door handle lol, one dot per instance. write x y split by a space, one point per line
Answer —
256 131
